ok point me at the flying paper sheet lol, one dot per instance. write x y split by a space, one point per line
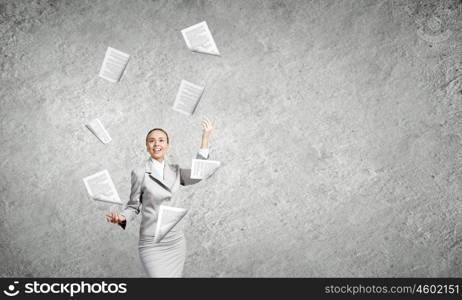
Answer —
114 64
101 188
187 98
202 168
168 217
97 128
199 39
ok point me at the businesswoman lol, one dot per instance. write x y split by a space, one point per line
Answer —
152 184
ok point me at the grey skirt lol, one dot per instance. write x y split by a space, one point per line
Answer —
163 259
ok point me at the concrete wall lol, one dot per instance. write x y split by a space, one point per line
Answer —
338 125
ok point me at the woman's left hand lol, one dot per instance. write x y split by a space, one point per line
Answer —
207 126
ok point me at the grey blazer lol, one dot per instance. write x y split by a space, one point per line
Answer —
148 193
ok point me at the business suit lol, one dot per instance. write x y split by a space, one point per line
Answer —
148 192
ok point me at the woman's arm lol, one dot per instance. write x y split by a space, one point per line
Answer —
207 126
133 205
185 174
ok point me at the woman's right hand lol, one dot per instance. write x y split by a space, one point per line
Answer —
115 218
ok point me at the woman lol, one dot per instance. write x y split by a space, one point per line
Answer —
151 184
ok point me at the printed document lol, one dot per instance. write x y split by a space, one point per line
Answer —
114 64
199 39
101 188
188 97
202 168
167 218
97 128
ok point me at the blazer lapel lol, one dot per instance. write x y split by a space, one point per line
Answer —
169 176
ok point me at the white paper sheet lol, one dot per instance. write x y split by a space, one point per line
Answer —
188 97
97 128
101 188
167 218
202 168
114 64
199 39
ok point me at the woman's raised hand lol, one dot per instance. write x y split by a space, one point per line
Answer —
115 218
207 126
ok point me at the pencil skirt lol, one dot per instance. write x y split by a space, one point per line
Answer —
165 258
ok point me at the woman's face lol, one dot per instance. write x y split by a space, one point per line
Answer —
156 144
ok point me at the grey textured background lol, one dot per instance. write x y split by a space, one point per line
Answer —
338 124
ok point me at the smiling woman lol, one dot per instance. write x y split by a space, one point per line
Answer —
157 143
152 184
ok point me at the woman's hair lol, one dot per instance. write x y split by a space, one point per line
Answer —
160 129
